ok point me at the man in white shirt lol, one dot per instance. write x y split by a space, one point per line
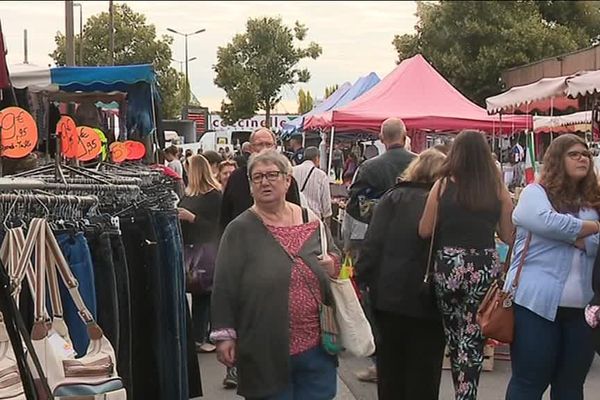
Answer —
313 184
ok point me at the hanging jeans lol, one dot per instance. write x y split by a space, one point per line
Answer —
170 289
142 256
462 279
77 253
546 353
106 285
123 298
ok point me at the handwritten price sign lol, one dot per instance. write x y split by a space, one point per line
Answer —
67 130
89 144
118 152
18 132
135 150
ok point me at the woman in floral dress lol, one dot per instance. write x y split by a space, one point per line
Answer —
465 209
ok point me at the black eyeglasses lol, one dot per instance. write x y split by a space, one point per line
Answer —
576 155
271 176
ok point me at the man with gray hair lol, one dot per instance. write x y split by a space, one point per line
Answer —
314 184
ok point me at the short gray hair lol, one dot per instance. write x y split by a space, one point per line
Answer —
393 129
311 153
270 156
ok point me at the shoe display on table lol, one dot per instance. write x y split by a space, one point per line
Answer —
231 380
367 375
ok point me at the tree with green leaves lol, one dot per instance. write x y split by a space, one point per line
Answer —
329 90
136 42
472 42
255 66
305 101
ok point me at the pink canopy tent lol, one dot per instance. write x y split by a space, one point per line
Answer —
424 100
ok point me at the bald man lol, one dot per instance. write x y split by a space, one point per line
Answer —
237 197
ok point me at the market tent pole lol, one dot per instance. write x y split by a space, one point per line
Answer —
330 150
154 134
323 150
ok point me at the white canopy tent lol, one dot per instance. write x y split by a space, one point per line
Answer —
33 77
558 123
546 88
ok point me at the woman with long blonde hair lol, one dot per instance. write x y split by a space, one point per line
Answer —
199 211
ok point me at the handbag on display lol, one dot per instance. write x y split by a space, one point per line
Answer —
95 374
199 261
495 315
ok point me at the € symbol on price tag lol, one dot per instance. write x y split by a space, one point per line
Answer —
89 144
67 130
18 132
118 152
135 150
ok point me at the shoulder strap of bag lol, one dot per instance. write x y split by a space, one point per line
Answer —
515 282
307 178
432 241
304 215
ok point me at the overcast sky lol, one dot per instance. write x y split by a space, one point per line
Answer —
355 36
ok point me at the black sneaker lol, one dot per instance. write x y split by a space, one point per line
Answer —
231 380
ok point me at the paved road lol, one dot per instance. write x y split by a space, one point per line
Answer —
492 386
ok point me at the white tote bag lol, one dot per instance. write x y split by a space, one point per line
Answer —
355 330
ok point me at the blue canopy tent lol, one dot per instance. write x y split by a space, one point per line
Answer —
137 82
296 125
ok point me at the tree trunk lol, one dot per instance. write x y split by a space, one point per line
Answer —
268 114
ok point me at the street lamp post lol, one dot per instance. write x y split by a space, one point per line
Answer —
181 62
80 31
187 81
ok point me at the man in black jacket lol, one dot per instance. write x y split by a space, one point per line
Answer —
374 177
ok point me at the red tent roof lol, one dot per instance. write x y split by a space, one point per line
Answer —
424 100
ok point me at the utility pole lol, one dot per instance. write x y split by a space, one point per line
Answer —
25 50
80 31
111 13
184 114
69 32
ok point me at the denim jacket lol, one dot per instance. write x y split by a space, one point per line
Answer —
550 255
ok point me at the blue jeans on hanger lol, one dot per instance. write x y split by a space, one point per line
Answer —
170 289
77 253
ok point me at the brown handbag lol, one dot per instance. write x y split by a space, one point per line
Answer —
495 315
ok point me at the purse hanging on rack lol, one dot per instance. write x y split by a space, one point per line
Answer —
91 375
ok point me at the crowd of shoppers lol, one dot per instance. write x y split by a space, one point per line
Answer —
251 226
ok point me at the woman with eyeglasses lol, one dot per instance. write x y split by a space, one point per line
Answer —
557 237
270 282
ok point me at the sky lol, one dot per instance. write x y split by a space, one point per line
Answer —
356 36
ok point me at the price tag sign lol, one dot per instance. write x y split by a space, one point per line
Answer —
67 130
89 144
118 152
135 150
18 132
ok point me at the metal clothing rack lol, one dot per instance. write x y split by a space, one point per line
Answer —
10 184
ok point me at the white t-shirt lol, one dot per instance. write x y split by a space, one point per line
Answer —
176 166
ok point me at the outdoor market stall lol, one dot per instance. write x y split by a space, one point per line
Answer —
133 87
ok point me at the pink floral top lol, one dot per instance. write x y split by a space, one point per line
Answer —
305 293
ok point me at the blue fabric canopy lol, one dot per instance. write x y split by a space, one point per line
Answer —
103 79
362 85
295 125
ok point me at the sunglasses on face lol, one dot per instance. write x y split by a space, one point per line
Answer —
577 155
271 176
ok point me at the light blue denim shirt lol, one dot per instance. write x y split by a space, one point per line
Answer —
550 255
